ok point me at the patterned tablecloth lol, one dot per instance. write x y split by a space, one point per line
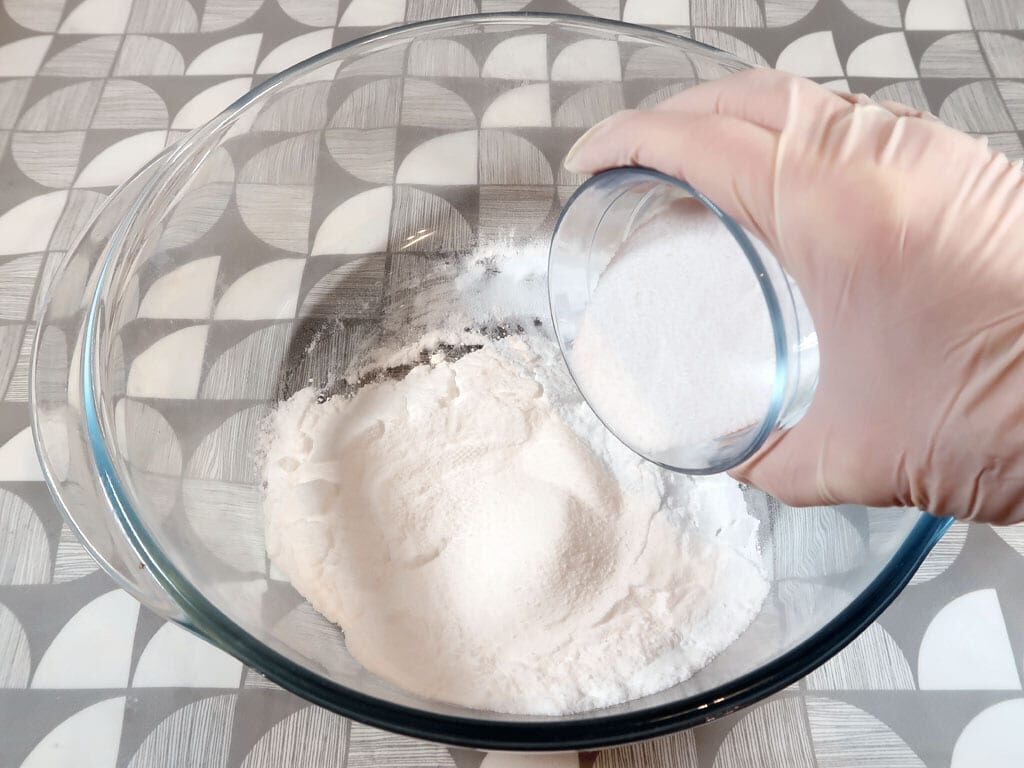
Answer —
90 89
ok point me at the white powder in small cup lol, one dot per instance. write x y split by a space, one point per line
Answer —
676 348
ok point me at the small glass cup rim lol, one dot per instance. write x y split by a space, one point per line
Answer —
784 364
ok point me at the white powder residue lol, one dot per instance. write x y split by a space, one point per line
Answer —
676 348
479 535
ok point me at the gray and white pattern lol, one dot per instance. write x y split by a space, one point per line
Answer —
90 90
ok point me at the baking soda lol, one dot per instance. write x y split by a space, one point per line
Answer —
479 535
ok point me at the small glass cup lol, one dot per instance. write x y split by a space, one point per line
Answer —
692 365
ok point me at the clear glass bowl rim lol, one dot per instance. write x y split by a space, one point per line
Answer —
522 734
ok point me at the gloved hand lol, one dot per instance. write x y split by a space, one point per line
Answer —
906 238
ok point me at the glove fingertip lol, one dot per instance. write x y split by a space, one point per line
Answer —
577 159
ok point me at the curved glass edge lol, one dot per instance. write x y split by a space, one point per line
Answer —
296 70
527 735
123 567
783 362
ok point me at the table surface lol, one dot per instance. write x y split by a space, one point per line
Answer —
89 678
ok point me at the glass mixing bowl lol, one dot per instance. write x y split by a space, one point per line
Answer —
269 248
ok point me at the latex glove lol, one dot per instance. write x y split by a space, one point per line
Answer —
906 238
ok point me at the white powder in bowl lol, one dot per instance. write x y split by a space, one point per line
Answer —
484 541
675 348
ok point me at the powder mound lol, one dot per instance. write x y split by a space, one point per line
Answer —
484 542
